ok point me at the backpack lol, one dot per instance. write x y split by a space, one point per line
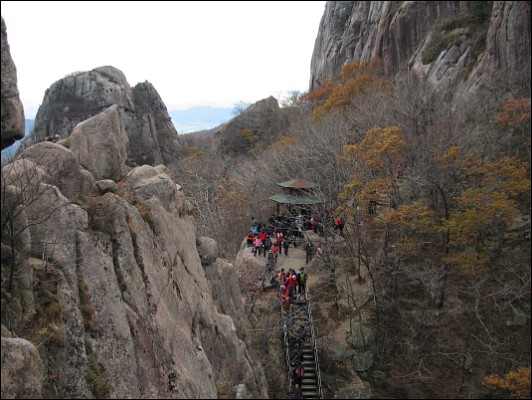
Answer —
302 277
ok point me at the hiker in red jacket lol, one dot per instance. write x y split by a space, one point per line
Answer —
291 283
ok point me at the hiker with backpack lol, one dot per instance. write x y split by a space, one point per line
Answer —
301 280
270 261
309 250
291 283
258 246
286 245
297 374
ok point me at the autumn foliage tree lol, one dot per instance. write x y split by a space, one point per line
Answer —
514 122
445 233
357 79
517 382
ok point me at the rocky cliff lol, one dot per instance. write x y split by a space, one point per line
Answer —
107 292
12 110
112 288
80 96
461 44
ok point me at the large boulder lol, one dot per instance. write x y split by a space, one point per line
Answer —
12 109
22 369
78 97
146 181
154 140
100 143
208 250
62 169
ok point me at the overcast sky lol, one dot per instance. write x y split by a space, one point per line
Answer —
193 52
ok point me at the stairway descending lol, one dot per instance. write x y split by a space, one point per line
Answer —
300 348
309 385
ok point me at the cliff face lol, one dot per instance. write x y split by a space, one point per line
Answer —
12 110
460 43
80 96
114 290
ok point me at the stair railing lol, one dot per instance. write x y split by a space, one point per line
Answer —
314 345
285 319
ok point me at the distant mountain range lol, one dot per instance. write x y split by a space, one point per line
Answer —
199 118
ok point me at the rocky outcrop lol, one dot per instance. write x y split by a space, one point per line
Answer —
133 303
100 144
22 370
81 96
256 126
154 128
208 250
12 111
507 56
108 276
464 52
61 166
78 97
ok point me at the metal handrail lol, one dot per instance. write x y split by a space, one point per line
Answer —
286 347
314 345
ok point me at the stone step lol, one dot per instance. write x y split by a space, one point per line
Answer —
309 394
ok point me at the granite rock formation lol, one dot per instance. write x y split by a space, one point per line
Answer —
460 44
12 109
108 291
83 95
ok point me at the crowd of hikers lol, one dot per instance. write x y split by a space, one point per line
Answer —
289 231
274 240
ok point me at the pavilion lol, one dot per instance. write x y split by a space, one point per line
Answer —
297 196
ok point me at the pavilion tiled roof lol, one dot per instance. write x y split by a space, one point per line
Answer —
298 184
